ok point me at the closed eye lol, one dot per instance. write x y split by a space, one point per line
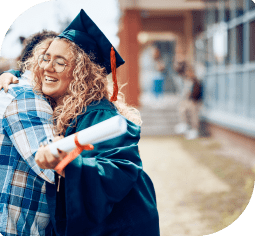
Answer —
61 64
45 58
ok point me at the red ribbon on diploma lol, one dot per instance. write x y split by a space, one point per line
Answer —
73 154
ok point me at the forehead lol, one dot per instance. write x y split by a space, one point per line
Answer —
59 48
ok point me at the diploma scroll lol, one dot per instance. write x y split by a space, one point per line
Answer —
105 130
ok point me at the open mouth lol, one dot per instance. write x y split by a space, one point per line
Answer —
50 79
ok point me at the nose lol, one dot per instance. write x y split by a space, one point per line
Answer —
49 67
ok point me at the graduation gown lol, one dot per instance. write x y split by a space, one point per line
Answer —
105 191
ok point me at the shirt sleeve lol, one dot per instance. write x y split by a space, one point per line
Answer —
27 122
98 179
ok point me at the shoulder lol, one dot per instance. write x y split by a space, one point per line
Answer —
24 90
96 112
21 98
99 111
103 104
14 91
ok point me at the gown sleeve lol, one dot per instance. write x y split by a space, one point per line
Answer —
98 179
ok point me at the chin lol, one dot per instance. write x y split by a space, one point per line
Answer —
47 92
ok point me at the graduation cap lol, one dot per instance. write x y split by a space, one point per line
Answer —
85 33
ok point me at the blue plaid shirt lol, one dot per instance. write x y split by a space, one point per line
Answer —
24 123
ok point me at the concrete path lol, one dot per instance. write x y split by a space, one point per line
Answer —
177 177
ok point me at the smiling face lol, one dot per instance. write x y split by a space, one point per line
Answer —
56 84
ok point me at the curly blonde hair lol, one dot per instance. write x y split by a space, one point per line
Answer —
89 84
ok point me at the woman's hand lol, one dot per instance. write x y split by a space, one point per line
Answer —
6 79
46 160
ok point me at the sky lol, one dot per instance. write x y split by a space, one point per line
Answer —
27 17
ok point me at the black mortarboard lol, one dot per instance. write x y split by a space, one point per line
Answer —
85 33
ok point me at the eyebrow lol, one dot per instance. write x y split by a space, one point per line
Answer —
57 56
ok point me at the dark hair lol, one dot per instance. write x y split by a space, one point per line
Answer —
181 68
31 42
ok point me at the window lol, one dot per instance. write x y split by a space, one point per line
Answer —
239 44
252 94
212 13
201 51
210 91
217 88
230 44
210 52
251 5
239 7
220 42
227 11
230 40
239 93
227 89
216 13
252 41
206 53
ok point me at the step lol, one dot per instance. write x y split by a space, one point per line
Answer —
158 119
152 131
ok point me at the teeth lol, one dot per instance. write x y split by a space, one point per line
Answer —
50 79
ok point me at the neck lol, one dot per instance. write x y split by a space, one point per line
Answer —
59 100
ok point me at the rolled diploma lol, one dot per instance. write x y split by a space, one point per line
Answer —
105 130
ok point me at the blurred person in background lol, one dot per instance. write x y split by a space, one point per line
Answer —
190 101
159 77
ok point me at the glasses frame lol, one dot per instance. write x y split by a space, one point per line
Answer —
48 61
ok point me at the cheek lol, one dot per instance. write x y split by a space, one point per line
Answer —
66 79
70 74
66 83
40 73
69 78
40 70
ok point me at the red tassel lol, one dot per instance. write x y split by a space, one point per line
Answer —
114 78
72 155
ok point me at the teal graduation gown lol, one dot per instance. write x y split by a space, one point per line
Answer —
105 192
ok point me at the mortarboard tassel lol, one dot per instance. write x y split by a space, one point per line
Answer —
114 78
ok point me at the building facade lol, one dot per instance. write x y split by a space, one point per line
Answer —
225 52
217 37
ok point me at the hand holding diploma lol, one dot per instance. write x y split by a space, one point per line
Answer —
53 156
46 160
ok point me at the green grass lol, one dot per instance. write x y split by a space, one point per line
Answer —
221 209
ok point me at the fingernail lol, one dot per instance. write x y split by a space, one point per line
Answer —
59 151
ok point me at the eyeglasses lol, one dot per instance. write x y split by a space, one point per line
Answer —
58 64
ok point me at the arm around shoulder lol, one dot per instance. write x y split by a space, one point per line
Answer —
27 123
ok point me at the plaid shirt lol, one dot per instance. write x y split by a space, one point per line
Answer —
24 123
